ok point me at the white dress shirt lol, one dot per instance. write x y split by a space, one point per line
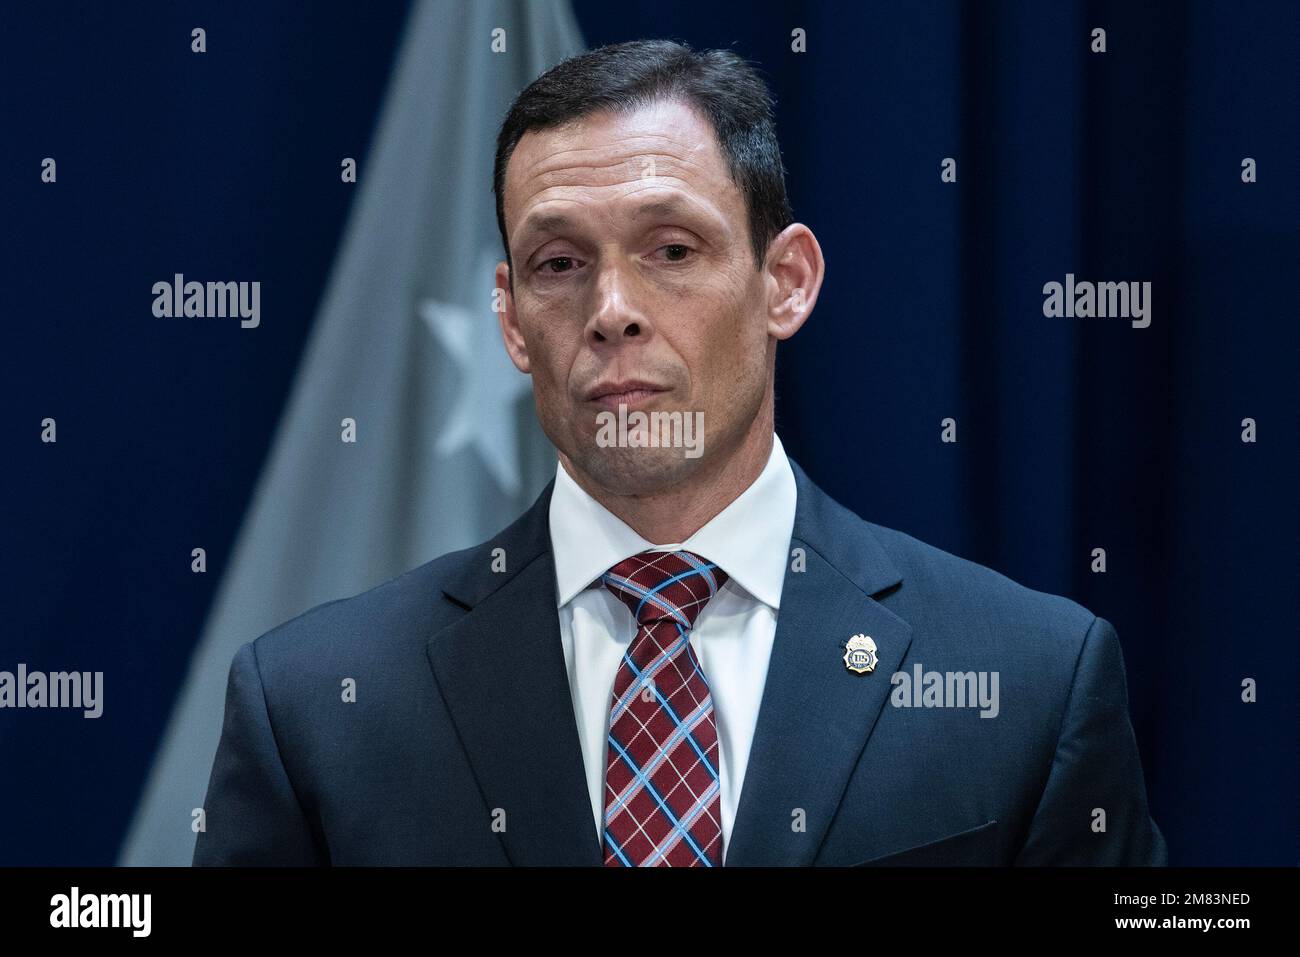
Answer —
732 637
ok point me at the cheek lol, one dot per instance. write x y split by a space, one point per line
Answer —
542 326
729 358
553 341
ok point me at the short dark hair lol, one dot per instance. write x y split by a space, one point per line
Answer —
726 90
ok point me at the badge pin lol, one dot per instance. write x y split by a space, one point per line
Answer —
860 655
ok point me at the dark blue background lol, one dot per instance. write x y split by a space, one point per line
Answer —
1073 434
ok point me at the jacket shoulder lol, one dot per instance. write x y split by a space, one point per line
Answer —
385 623
964 589
381 627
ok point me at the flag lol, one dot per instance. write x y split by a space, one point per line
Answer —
406 346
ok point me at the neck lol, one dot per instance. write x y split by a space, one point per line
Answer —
672 515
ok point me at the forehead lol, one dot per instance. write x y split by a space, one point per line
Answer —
665 147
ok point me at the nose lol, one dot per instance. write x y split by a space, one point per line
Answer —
615 319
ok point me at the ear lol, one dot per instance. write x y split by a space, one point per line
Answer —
504 303
794 268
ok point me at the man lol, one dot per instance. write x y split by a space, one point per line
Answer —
684 653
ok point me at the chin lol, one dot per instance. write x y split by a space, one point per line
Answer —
636 471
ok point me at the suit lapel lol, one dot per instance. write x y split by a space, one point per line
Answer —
816 715
501 671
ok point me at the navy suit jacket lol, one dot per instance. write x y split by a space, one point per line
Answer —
461 747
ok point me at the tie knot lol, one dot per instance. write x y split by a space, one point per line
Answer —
665 585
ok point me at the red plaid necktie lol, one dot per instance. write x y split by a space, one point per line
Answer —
663 799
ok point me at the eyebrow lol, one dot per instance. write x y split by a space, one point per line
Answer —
545 222
539 225
664 207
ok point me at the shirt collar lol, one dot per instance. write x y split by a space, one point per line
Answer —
749 539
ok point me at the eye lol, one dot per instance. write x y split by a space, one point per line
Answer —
676 252
557 264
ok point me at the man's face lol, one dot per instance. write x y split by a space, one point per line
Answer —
632 265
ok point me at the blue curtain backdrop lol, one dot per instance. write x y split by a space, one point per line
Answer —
1073 434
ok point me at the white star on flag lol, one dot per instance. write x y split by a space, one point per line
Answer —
484 416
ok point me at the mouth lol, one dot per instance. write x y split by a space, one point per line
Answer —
632 393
